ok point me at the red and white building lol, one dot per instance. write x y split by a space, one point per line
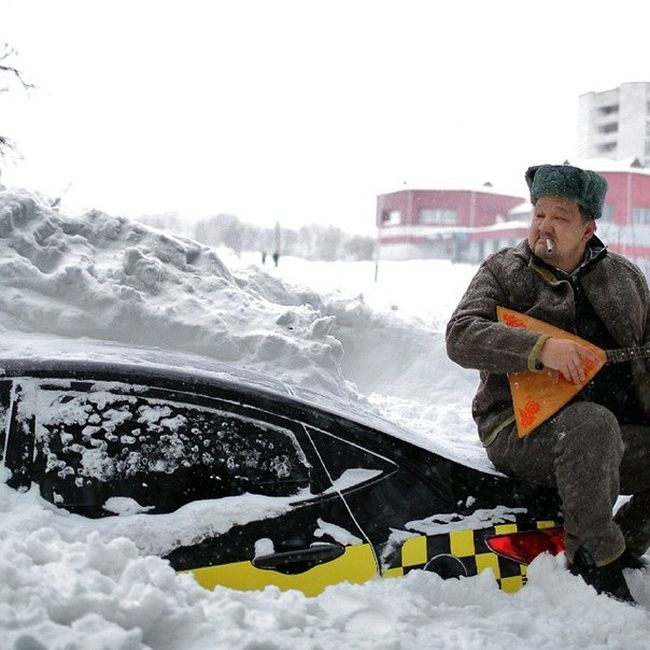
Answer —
467 225
625 224
463 225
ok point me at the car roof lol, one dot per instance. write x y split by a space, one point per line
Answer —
86 358
58 357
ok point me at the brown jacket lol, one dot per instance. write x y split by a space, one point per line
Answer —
514 278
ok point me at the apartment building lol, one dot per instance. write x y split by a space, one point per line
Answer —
615 124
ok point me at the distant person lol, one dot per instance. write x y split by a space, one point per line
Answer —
597 445
263 257
277 243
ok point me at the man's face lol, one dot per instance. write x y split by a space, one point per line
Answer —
558 233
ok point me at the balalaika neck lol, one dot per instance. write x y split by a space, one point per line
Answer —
627 354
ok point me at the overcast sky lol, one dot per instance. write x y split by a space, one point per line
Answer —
301 111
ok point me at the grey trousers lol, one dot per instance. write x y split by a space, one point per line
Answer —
584 453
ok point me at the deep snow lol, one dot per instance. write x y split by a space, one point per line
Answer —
67 582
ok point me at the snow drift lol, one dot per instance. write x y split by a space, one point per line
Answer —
66 583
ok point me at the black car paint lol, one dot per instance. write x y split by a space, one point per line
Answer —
412 484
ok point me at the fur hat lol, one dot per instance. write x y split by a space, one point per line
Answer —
584 187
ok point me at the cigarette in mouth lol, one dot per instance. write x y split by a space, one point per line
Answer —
549 246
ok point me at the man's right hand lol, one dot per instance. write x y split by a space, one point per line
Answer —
568 358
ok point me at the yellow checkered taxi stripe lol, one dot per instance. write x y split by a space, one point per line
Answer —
469 547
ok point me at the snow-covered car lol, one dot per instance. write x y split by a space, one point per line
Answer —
251 483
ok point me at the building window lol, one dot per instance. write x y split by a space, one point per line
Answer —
437 216
391 217
606 148
612 127
608 110
641 216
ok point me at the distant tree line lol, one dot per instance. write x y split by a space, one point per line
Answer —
313 241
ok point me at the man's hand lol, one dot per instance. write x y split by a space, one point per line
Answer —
568 358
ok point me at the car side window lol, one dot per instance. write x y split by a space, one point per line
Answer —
348 463
95 444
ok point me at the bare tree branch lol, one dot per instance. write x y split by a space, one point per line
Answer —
5 53
6 145
6 68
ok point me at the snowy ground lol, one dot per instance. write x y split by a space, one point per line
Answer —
328 326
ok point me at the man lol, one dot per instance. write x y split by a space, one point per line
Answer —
598 445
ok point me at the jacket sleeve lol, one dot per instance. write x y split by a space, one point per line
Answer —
474 337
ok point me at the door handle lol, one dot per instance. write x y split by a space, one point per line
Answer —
300 560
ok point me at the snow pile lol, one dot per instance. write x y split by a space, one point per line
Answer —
62 588
109 278
69 582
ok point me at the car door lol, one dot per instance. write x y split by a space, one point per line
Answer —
428 511
261 506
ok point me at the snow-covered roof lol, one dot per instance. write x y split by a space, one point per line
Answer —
608 165
458 186
630 165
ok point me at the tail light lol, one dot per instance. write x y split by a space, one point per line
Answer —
523 547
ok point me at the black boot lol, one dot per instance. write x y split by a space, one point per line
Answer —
608 579
630 561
